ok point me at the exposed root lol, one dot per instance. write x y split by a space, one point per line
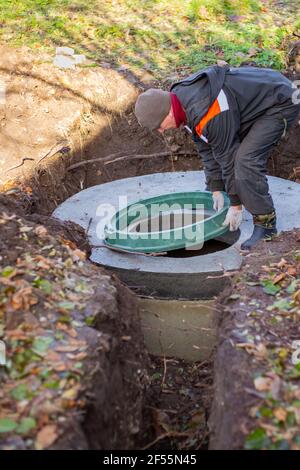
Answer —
116 158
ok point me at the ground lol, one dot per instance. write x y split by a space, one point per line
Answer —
178 405
76 358
257 367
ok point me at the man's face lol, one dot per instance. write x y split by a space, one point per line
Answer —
168 123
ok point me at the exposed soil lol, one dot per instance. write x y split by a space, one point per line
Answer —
51 120
47 109
76 362
285 158
178 405
256 396
60 117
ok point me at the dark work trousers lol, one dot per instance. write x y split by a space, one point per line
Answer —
252 155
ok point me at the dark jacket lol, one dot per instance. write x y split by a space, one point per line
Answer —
221 103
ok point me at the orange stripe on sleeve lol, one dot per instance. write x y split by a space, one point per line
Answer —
213 111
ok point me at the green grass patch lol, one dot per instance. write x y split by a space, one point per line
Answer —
159 35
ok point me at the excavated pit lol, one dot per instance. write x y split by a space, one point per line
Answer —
54 183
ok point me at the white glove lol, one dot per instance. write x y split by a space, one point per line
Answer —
234 218
218 199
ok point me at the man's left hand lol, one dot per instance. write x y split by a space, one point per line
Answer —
234 217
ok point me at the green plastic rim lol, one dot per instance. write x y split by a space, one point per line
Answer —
190 235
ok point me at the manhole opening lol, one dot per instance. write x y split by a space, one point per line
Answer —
210 246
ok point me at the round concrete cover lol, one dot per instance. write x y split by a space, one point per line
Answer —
192 277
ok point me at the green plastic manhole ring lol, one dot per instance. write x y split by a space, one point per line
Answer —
117 234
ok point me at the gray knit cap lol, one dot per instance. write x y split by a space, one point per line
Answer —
152 107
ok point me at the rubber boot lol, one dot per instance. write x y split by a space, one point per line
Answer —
264 229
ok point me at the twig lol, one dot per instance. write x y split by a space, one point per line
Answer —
151 155
50 153
115 158
92 160
20 164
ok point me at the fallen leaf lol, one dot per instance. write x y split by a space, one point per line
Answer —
7 425
25 229
252 52
46 437
70 394
296 296
41 344
41 231
278 278
292 287
292 271
253 411
198 418
64 327
269 287
68 243
77 357
66 348
282 263
43 262
52 356
78 255
275 386
256 440
261 351
26 425
250 347
125 338
23 299
28 190
280 414
59 367
17 334
263 384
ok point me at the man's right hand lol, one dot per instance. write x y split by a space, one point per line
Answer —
218 199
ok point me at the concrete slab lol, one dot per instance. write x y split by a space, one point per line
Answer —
179 328
167 277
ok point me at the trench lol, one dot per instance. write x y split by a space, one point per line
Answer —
179 396
178 324
179 329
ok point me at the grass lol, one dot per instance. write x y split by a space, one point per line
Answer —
161 36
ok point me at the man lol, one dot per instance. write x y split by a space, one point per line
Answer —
236 116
